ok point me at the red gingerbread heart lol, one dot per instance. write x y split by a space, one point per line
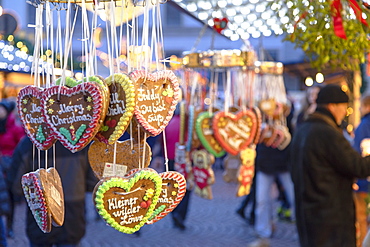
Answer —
32 119
74 114
157 96
173 190
235 132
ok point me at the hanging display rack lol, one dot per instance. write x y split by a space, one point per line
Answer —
230 58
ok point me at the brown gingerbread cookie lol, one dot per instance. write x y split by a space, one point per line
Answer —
127 203
129 155
54 195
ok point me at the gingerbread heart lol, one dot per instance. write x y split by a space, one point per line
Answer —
54 195
129 155
173 190
204 131
35 197
32 119
74 114
127 203
234 132
121 108
157 97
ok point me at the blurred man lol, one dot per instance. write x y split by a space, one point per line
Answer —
323 168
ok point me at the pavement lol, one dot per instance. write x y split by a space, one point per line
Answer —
211 223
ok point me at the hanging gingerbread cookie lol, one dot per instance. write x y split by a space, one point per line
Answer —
246 171
157 96
203 173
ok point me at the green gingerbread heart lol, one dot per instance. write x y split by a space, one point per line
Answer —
125 203
204 131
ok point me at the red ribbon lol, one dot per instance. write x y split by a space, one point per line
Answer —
337 19
356 8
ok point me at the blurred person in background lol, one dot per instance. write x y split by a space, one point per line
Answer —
11 133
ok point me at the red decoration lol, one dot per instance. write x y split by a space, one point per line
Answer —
220 24
337 19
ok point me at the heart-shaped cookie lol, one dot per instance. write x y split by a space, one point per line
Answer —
74 114
234 132
127 203
54 195
157 96
32 119
173 190
131 155
120 110
203 127
36 201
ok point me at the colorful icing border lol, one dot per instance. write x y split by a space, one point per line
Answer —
34 92
92 128
159 75
43 219
234 117
180 180
128 87
198 128
127 184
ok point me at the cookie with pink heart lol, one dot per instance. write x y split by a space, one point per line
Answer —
32 119
74 114
157 96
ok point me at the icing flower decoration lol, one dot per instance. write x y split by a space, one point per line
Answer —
51 101
24 109
24 101
174 193
149 193
168 92
50 111
176 185
89 108
89 99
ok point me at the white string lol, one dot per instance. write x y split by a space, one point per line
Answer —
85 39
144 149
114 158
46 159
227 91
165 150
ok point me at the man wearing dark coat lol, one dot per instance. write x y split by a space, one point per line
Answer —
323 169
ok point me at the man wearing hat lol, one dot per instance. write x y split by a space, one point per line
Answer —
323 168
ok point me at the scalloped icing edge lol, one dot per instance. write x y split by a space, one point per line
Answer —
233 117
180 179
130 103
198 130
126 184
93 127
31 90
162 74
42 222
